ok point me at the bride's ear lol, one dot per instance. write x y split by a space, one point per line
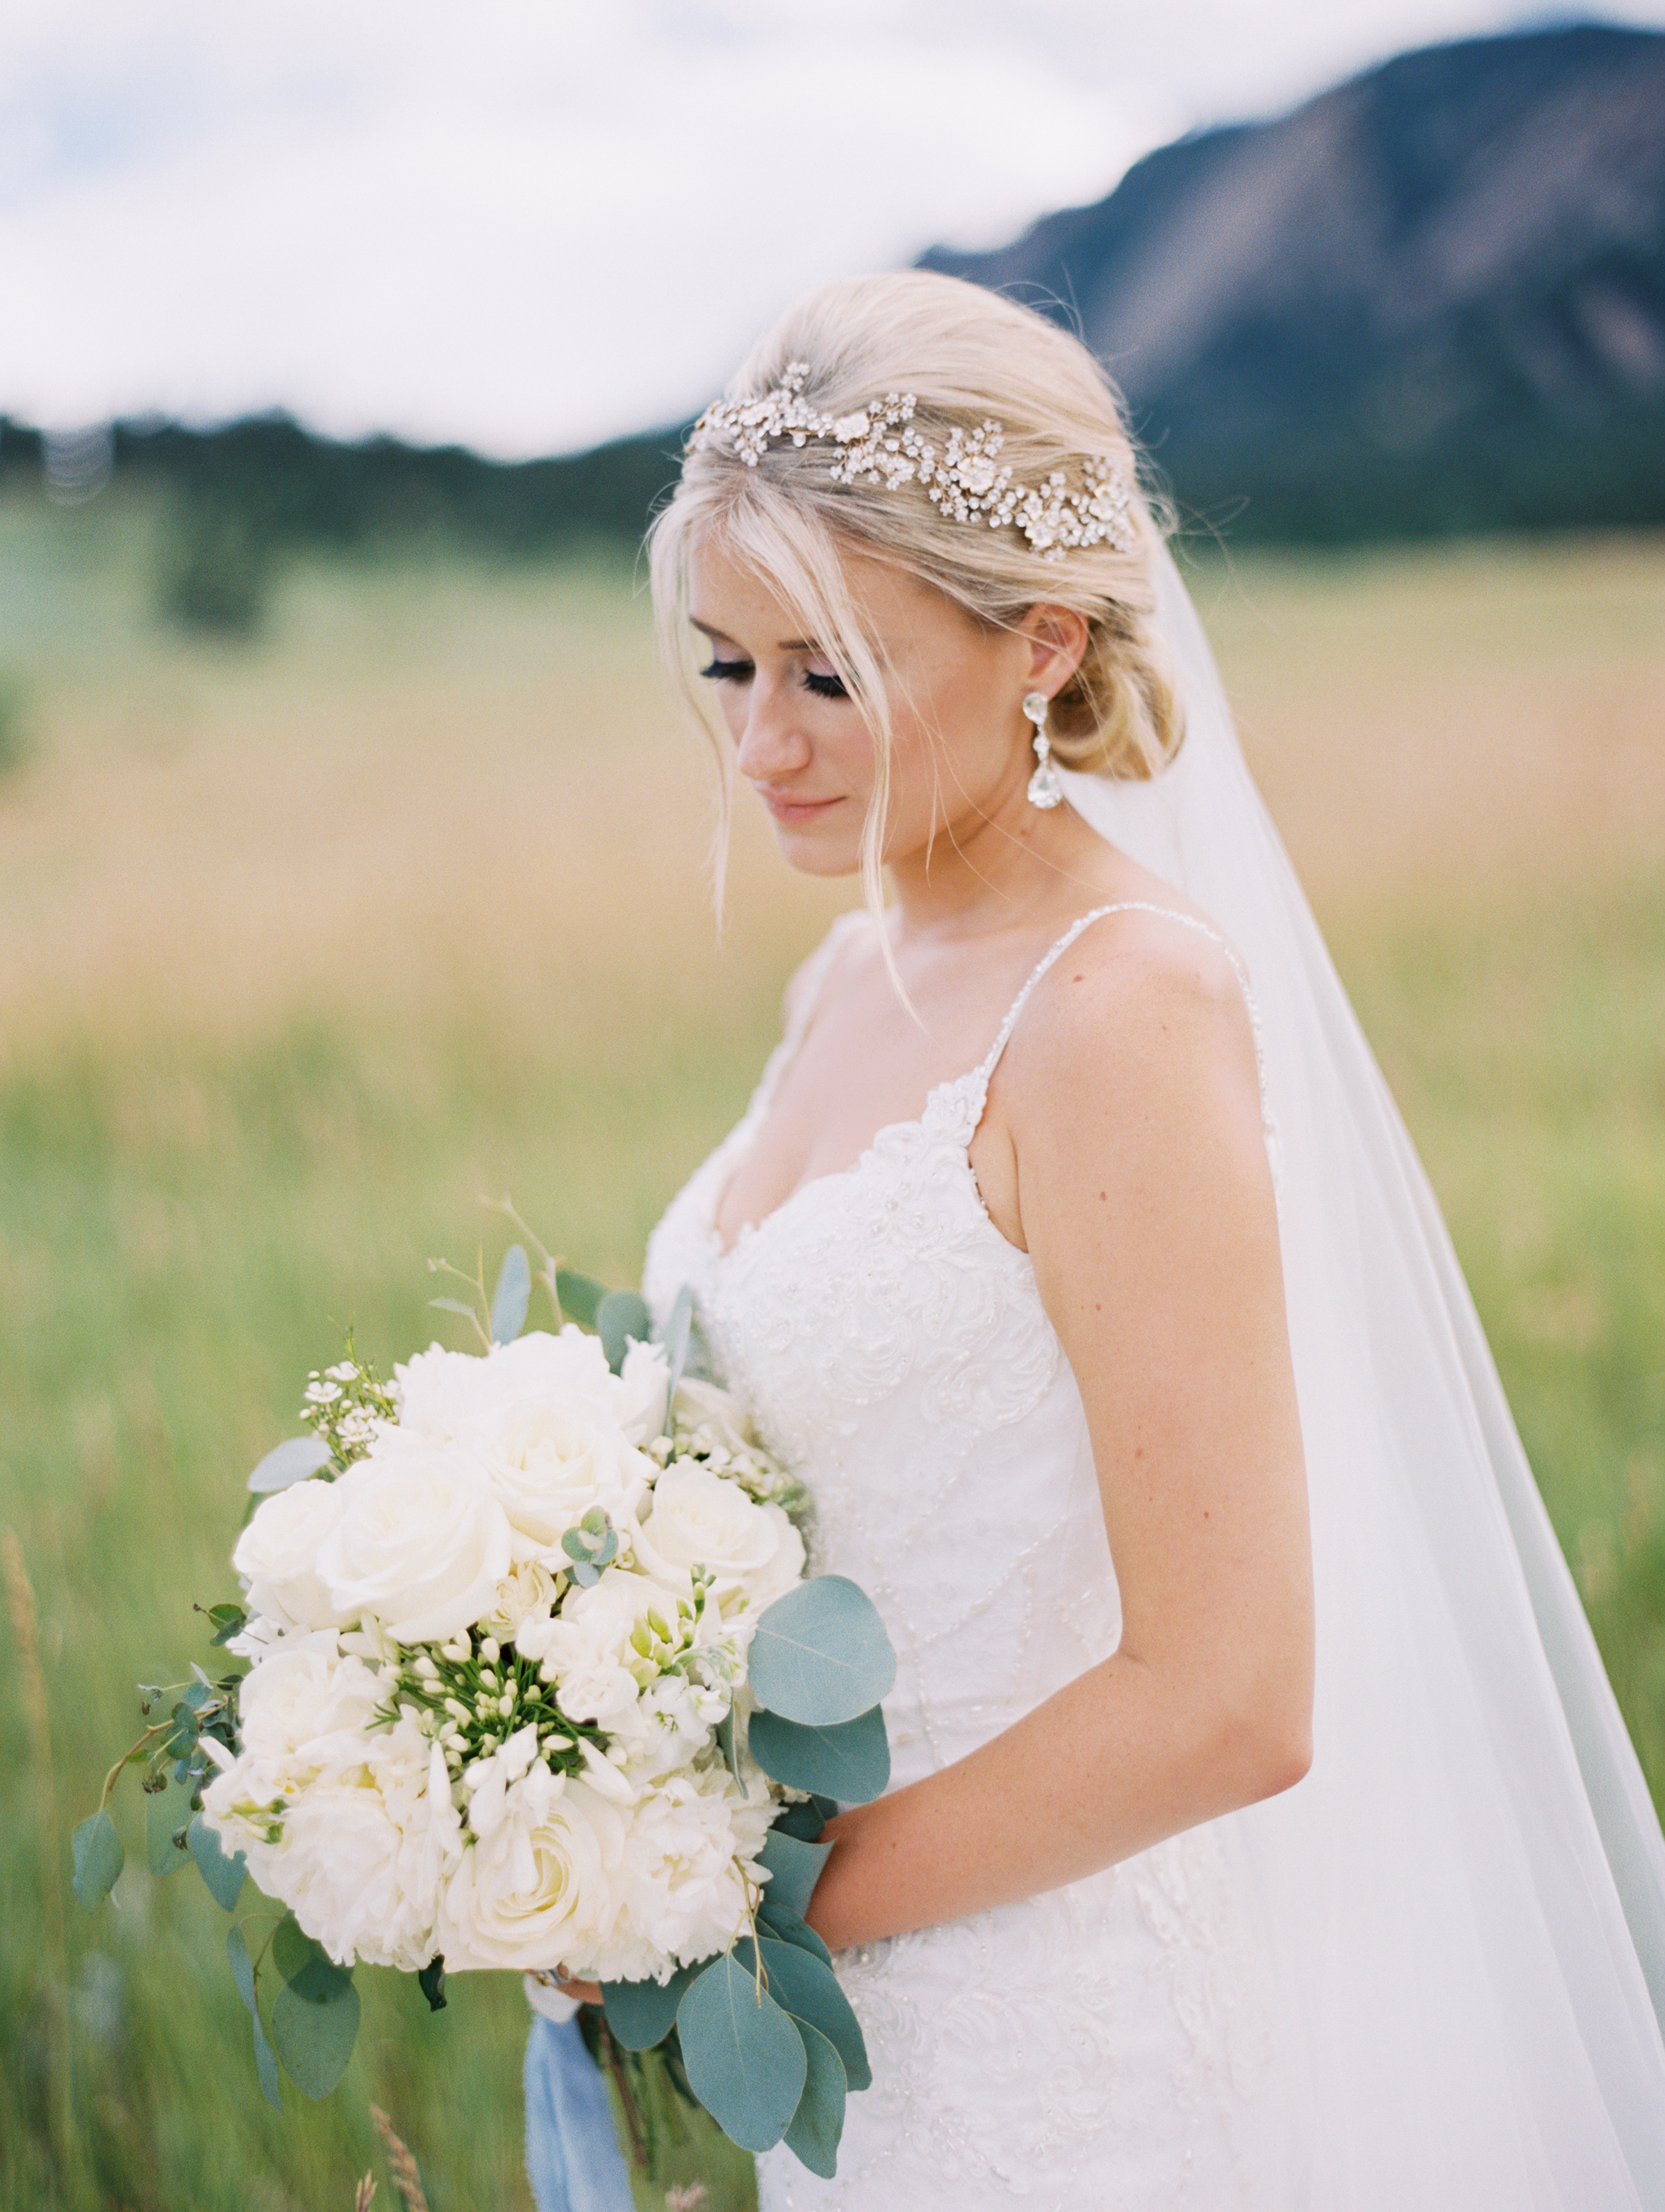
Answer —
1057 639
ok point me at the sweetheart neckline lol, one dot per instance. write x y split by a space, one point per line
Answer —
748 1230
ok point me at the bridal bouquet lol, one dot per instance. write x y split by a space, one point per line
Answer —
534 1676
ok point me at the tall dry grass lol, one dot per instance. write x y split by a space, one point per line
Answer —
303 948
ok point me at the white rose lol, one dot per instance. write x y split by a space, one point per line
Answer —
714 1415
537 1890
305 1707
699 1519
547 1465
642 1381
277 1555
421 1543
571 1369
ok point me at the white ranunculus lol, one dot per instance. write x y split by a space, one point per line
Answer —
699 1519
307 1708
441 1394
422 1544
526 1592
277 1555
539 1889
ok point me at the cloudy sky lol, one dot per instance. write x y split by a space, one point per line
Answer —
531 224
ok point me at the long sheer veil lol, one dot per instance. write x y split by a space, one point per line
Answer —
1464 1902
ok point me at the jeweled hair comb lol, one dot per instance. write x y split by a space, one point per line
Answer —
879 445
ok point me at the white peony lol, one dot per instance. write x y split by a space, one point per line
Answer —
421 1543
305 1708
277 1555
539 1889
682 1876
700 1519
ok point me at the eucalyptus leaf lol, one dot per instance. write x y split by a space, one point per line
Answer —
851 1762
306 1965
786 1928
643 2014
678 1334
314 2037
724 1732
456 1306
794 1868
512 1296
744 2057
289 1462
99 1859
265 2065
229 1620
805 1985
820 1655
819 2120
580 1296
431 1981
621 1315
222 1870
803 1819
165 1813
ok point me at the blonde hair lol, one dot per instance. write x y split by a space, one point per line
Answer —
967 356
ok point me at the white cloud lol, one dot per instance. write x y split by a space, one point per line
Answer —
536 222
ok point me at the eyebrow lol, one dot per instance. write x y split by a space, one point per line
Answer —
782 645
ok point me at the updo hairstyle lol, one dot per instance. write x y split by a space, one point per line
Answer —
967 356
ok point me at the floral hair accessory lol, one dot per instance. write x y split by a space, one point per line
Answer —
879 445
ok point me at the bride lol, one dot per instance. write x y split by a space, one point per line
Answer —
1263 1830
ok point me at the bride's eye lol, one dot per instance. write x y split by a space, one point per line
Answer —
825 687
728 672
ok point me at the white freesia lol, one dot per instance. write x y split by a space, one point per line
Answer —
540 1888
277 1555
421 1543
698 1519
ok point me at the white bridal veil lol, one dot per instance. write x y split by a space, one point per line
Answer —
1465 1900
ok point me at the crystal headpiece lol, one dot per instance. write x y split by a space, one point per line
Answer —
879 445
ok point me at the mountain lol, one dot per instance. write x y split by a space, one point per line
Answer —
1432 299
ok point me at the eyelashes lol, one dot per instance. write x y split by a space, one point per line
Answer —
741 672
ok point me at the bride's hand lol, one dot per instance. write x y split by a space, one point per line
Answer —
582 1992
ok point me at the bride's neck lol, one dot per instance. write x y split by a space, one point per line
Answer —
996 873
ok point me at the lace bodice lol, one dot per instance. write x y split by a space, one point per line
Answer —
893 1348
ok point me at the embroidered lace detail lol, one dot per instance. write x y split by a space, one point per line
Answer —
1103 2045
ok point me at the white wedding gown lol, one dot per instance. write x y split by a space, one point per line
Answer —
1106 2045
1428 1979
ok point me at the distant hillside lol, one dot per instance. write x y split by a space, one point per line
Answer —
1431 300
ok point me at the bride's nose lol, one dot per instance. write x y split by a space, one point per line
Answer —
771 742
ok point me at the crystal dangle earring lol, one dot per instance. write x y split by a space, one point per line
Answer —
1044 789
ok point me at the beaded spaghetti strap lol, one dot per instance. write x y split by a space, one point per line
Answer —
1268 1127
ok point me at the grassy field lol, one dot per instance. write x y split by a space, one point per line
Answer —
306 946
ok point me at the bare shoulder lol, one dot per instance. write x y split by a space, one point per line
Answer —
1144 1005
804 983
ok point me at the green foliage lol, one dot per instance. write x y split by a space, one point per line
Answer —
744 2056
851 1762
643 2014
221 1871
794 1867
291 1462
15 747
621 1315
819 2121
820 1655
99 1858
512 1296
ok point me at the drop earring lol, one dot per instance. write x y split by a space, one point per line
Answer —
1044 789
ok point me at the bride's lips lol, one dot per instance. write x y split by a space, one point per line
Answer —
785 808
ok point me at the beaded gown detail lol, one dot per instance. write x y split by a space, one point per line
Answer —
1107 2044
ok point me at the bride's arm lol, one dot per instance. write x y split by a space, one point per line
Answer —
1141 1182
